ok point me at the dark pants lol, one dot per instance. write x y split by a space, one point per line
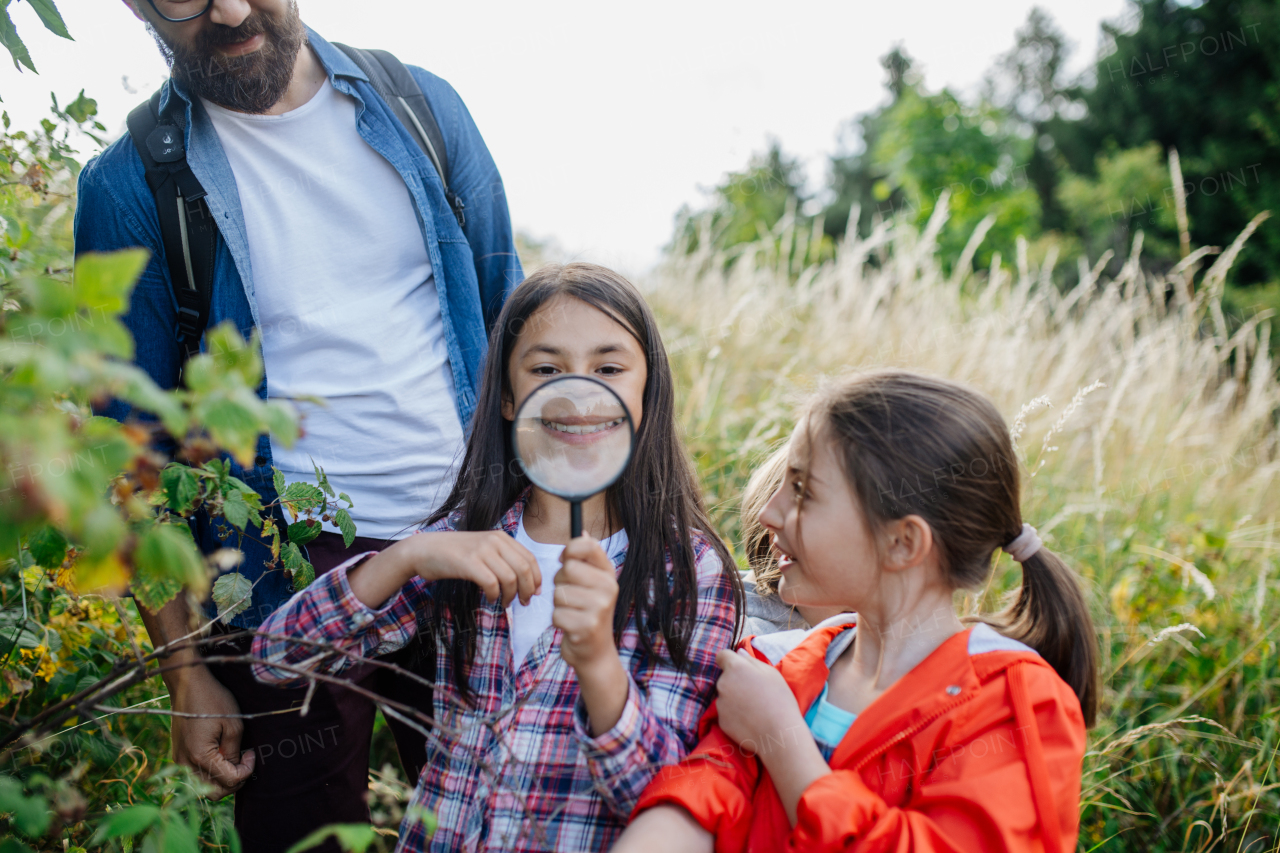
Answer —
313 770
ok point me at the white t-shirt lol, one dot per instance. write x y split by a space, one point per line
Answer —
348 309
529 621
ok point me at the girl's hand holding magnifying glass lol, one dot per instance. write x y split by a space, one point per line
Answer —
585 595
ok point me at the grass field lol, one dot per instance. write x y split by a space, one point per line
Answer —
1148 424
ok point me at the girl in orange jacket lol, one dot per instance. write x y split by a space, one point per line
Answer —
900 728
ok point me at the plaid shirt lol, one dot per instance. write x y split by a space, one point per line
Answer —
519 770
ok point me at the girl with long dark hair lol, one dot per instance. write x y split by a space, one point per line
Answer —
567 673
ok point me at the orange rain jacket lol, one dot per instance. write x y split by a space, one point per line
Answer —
977 748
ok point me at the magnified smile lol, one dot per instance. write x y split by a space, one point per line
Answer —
581 429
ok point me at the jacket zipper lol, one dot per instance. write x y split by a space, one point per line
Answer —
908 732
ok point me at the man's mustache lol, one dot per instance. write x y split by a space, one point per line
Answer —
218 35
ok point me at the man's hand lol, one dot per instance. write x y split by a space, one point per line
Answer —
210 746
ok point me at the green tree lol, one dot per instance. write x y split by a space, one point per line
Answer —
855 178
918 145
1204 79
1027 83
935 143
761 206
1131 191
757 197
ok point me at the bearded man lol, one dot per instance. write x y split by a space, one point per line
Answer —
373 295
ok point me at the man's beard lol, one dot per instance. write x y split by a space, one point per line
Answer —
252 83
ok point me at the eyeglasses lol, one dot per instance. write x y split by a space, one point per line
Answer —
177 11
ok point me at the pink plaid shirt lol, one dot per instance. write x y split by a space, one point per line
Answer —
519 769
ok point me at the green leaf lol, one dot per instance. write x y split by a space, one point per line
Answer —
232 426
48 547
351 837
291 555
32 816
302 572
300 497
11 795
321 479
166 560
236 484
304 531
103 281
141 392
303 576
348 527
272 529
9 38
181 486
101 531
236 511
13 845
282 422
219 468
126 823
305 493
277 479
232 594
53 23
342 496
229 362
28 634
82 109
177 836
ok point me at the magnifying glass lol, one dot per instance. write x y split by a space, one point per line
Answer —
573 438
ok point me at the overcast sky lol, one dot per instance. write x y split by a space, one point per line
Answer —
604 118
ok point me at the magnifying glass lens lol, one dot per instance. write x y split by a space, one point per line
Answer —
573 437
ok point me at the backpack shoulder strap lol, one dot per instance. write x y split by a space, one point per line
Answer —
393 81
187 229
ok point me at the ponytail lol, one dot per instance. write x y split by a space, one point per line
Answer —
1051 616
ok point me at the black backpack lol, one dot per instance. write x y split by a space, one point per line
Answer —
187 228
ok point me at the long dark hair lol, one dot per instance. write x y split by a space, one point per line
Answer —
916 445
657 500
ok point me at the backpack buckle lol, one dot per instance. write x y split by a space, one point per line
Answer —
165 144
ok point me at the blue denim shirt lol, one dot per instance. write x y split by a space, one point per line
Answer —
476 267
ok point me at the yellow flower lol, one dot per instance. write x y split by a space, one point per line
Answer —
46 667
29 655
65 577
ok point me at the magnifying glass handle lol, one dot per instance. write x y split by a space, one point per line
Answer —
575 519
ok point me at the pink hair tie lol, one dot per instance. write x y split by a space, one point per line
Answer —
1025 546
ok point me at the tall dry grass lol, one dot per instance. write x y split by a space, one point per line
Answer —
1149 432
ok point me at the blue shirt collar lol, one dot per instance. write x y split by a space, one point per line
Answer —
335 62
